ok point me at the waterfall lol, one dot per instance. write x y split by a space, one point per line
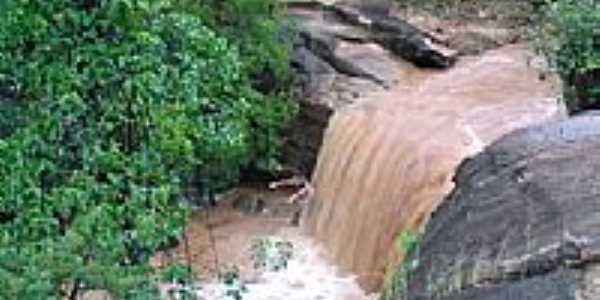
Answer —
387 162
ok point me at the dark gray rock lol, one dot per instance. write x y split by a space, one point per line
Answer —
368 7
323 43
396 35
522 223
249 205
310 70
335 65
556 286
342 53
584 84
305 137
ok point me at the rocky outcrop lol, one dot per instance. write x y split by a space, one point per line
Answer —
339 57
584 85
398 36
523 221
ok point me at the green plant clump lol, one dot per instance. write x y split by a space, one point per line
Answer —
233 287
270 254
255 27
183 282
118 101
396 284
570 38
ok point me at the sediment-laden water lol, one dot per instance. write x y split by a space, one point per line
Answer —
223 238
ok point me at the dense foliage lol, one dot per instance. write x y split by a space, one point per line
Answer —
110 104
254 26
571 40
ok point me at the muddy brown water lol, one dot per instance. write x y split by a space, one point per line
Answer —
224 234
223 238
386 163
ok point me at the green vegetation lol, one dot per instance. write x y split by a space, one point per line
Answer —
254 27
110 106
570 38
183 282
396 285
233 286
271 254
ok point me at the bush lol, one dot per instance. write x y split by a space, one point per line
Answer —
254 26
570 38
397 277
119 101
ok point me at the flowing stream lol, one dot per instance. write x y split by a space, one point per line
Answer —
385 164
224 237
309 275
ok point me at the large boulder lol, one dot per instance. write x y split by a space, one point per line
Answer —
523 221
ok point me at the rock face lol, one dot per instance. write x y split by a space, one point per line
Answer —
340 56
522 223
584 85
397 35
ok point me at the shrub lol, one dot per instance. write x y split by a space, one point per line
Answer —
254 26
119 101
570 38
396 283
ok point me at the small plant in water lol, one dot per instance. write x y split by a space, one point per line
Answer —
234 287
182 282
406 243
271 254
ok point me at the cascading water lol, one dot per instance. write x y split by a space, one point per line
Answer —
224 237
386 163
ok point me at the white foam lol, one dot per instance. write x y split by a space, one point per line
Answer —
309 276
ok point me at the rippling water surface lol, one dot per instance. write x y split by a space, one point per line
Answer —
310 274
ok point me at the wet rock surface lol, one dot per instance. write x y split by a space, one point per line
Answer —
341 54
522 223
396 35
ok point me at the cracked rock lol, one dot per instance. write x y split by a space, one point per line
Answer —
538 236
